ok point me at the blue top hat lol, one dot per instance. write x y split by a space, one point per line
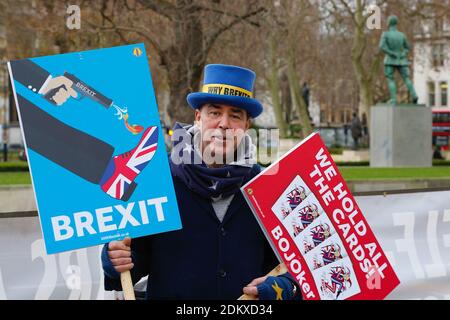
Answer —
230 85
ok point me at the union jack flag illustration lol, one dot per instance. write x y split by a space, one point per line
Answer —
118 180
331 253
340 281
284 212
316 263
296 227
320 233
295 197
308 214
307 246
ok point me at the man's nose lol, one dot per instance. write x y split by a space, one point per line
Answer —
224 122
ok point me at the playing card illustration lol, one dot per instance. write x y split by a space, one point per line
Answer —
329 251
337 281
293 196
315 234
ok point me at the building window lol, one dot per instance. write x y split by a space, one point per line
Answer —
322 116
438 25
431 94
437 55
444 93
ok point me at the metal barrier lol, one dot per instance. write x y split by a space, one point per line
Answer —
412 226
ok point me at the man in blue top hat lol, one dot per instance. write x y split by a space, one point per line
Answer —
221 251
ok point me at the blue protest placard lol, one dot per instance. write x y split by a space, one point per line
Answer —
95 146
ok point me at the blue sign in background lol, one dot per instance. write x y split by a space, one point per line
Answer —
123 76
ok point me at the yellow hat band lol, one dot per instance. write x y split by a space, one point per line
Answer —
226 90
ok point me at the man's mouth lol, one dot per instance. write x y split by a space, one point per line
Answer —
220 138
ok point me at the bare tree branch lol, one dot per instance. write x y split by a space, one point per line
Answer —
214 35
161 7
349 10
110 20
140 31
229 14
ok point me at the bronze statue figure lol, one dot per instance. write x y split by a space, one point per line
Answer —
396 47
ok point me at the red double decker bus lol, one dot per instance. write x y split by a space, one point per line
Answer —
441 127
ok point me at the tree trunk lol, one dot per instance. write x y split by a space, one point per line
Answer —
364 78
3 42
286 100
3 69
275 86
184 78
184 63
366 102
297 99
365 84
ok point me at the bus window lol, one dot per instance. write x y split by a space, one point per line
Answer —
441 128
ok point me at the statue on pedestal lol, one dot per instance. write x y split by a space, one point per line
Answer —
396 47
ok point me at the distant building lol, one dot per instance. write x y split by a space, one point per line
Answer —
8 113
9 121
339 103
267 118
331 116
432 63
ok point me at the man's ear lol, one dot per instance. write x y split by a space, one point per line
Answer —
248 124
197 115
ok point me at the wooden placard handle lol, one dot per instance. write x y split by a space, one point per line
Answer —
127 285
279 269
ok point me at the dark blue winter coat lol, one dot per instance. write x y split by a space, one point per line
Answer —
206 259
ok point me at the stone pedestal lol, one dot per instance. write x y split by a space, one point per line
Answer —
400 136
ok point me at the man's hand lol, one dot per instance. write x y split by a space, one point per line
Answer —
63 93
119 252
251 288
393 56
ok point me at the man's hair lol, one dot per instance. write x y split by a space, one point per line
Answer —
246 112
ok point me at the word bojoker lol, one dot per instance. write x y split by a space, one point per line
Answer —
316 228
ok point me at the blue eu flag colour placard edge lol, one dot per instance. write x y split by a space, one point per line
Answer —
78 195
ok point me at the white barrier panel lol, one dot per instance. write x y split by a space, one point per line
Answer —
27 272
413 229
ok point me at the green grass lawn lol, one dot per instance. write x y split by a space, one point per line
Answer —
8 178
349 173
366 173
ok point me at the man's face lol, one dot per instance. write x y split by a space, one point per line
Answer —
222 129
